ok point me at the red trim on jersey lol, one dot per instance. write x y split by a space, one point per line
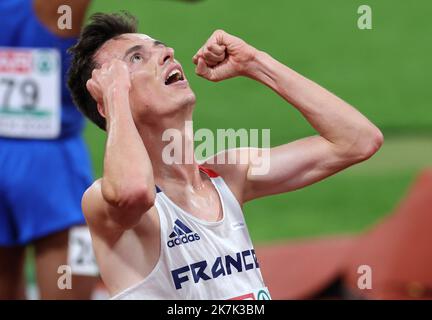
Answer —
249 296
209 172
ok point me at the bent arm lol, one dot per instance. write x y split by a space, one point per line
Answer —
345 136
126 190
127 183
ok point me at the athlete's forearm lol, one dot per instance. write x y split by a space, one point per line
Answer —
128 174
333 118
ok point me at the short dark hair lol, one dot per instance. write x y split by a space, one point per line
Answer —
102 27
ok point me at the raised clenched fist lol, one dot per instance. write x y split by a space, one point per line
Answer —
224 56
114 74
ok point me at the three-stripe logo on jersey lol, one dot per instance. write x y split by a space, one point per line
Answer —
181 234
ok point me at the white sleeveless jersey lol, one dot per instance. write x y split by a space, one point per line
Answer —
200 259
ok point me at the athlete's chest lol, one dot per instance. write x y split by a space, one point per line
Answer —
205 204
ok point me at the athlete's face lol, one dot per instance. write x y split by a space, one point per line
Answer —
158 85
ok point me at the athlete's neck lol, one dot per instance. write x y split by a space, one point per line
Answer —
171 151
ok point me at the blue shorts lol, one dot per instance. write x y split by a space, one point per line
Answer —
41 186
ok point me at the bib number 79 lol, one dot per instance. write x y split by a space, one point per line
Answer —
30 93
27 90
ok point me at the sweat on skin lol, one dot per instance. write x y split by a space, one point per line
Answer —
133 95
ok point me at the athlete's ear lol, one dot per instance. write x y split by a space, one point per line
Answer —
101 110
94 91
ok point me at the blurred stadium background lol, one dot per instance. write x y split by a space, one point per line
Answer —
384 72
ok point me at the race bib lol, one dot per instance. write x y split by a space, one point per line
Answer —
30 93
81 256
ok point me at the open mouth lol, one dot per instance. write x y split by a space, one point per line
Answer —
173 77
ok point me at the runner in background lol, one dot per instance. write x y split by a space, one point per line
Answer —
44 164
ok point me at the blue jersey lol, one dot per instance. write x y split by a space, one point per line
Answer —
20 27
42 180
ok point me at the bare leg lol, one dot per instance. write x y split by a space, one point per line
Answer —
12 283
51 252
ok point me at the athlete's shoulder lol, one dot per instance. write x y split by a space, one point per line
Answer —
232 165
95 210
90 202
109 221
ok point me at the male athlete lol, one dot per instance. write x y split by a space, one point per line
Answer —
176 231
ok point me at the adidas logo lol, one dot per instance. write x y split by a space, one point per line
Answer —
182 234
